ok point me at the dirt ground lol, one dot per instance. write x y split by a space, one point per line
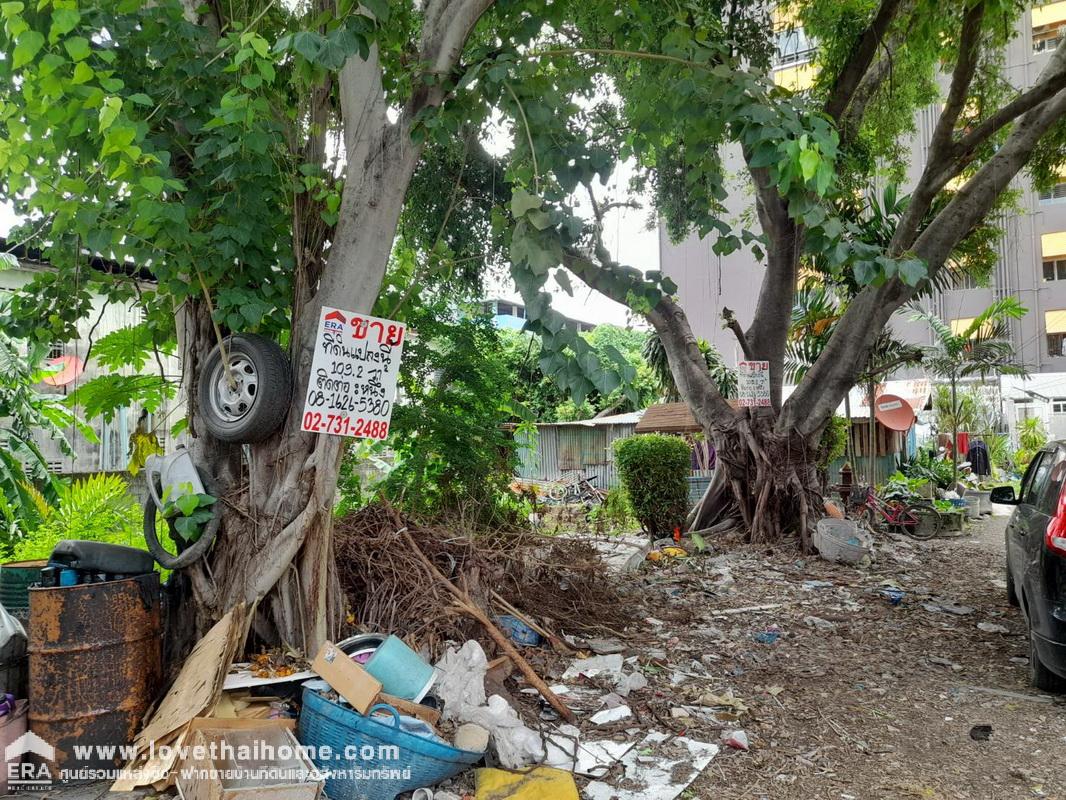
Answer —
848 696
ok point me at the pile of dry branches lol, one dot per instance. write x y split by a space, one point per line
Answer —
559 584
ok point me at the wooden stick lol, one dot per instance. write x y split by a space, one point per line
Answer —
463 602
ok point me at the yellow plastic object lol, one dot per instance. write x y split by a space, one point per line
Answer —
675 552
539 783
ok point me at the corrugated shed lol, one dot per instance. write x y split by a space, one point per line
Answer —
561 449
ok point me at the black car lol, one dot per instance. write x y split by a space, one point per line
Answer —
1036 562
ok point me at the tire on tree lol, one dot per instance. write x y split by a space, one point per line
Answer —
248 402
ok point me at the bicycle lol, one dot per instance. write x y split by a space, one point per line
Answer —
917 519
580 490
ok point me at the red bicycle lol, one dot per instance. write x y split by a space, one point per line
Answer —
917 519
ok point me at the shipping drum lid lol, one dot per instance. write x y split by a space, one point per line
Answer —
95 665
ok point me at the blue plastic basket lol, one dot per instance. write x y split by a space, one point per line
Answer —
421 761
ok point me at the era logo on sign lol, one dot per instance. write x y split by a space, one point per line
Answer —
334 321
25 774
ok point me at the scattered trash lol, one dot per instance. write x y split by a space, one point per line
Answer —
516 745
840 540
991 627
401 671
595 666
327 728
605 647
948 607
738 740
565 750
611 715
818 622
471 737
519 632
355 684
768 636
809 586
461 685
981 733
893 596
633 682
660 767
287 775
540 783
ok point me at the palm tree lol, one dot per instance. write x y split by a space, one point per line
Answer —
814 314
983 347
654 354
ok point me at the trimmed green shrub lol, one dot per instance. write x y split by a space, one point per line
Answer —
653 469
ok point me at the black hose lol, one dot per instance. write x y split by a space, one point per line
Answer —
197 549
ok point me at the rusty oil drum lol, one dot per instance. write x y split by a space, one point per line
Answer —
95 665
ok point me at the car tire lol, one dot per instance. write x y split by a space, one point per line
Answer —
1040 676
255 405
1012 590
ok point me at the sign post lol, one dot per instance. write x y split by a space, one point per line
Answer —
753 384
353 375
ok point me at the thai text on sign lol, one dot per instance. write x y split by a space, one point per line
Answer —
753 383
353 375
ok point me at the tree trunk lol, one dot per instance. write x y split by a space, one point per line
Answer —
275 546
954 434
767 480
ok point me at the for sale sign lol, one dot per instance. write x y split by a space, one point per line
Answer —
353 375
753 383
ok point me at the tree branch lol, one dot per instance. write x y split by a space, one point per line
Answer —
860 58
940 144
836 370
687 363
767 335
733 325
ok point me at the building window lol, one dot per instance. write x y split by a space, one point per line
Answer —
1047 37
1058 405
794 47
1055 328
56 350
1056 194
1055 269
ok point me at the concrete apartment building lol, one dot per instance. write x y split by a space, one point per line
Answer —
1032 263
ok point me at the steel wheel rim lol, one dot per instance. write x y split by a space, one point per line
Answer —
234 403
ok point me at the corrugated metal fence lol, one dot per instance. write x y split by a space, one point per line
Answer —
562 449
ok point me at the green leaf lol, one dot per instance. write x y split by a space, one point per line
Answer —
141 99
64 20
251 81
522 202
153 184
378 8
912 270
308 44
109 112
77 48
83 73
563 279
809 162
187 504
26 49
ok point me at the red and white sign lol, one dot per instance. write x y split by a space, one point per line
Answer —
353 375
753 384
